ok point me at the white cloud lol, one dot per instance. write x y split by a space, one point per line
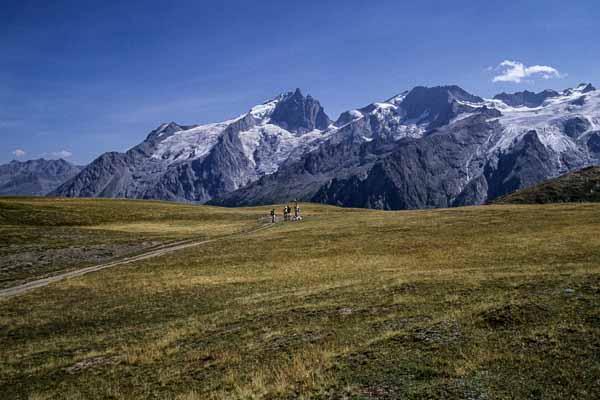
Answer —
19 153
61 154
514 71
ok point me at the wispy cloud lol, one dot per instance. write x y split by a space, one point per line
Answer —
516 72
61 154
57 154
19 153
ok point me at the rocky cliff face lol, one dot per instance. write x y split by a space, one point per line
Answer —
300 114
34 177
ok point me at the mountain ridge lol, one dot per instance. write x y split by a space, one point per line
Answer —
512 153
577 186
383 155
197 162
35 177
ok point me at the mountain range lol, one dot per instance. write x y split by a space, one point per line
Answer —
35 177
424 148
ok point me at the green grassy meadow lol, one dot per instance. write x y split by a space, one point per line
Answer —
41 237
493 302
578 186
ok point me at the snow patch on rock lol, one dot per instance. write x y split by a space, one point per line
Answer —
268 146
190 144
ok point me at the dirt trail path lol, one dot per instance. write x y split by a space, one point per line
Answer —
157 252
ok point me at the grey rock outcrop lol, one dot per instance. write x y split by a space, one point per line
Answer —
300 114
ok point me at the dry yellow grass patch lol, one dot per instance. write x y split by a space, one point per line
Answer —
298 376
180 228
463 303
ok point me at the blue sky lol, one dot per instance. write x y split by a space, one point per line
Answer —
78 78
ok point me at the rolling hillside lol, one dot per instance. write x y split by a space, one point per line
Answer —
574 187
495 302
41 237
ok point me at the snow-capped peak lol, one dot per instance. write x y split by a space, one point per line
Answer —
164 130
584 88
285 125
168 127
559 121
162 127
399 98
265 110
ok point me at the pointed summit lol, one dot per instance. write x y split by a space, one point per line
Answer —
585 87
299 114
435 105
169 128
164 130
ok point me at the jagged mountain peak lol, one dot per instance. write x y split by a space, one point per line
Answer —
414 112
397 99
526 98
169 127
530 99
298 113
295 93
165 130
582 88
585 88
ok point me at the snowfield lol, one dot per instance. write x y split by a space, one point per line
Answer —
190 144
548 119
267 146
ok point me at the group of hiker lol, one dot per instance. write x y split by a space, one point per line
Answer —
287 213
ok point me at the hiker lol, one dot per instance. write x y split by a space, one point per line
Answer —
272 215
285 213
296 209
297 215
